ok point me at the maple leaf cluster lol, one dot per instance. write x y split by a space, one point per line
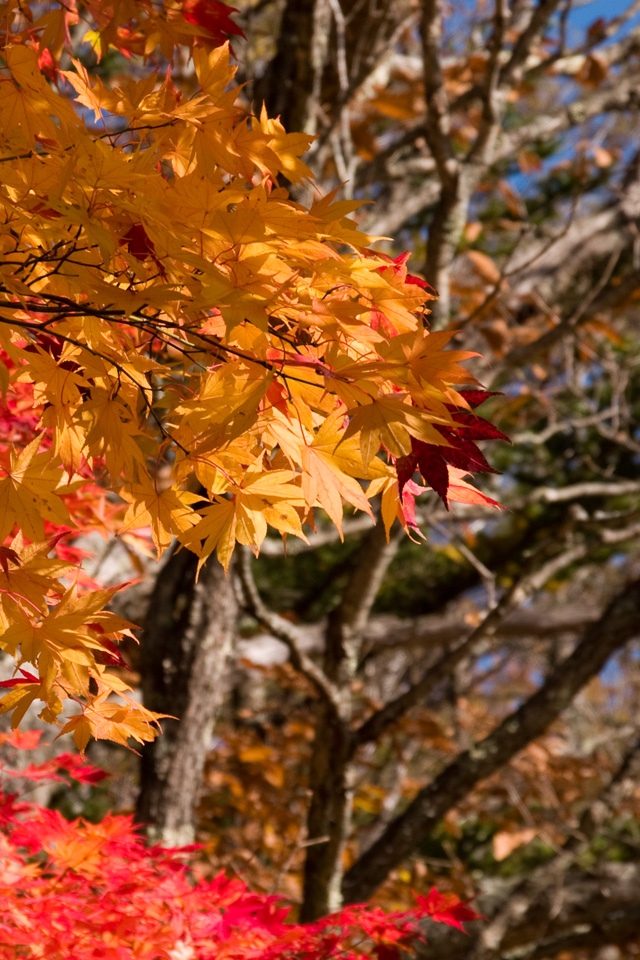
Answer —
61 628
214 355
96 892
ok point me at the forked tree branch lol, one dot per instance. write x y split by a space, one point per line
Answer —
437 120
619 622
608 297
285 631
482 147
540 17
532 579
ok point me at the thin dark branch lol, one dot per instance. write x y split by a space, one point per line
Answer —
540 17
490 118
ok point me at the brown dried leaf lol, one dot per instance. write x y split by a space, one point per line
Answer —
506 841
593 71
483 266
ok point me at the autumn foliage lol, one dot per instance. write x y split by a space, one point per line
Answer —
185 349
96 892
186 352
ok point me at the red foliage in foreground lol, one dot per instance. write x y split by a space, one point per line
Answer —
81 891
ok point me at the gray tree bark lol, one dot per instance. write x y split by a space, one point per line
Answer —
186 642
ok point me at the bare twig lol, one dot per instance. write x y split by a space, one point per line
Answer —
575 491
542 13
284 630
540 437
487 576
365 580
603 295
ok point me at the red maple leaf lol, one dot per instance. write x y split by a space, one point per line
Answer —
431 460
16 681
445 908
141 246
214 17
397 266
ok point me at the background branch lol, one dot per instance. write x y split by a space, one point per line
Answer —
618 624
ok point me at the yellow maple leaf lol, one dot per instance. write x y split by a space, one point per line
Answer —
29 493
168 512
112 721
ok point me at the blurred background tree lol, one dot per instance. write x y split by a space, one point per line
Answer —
461 709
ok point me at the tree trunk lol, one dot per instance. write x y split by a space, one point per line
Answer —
185 645
329 817
290 88
332 760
